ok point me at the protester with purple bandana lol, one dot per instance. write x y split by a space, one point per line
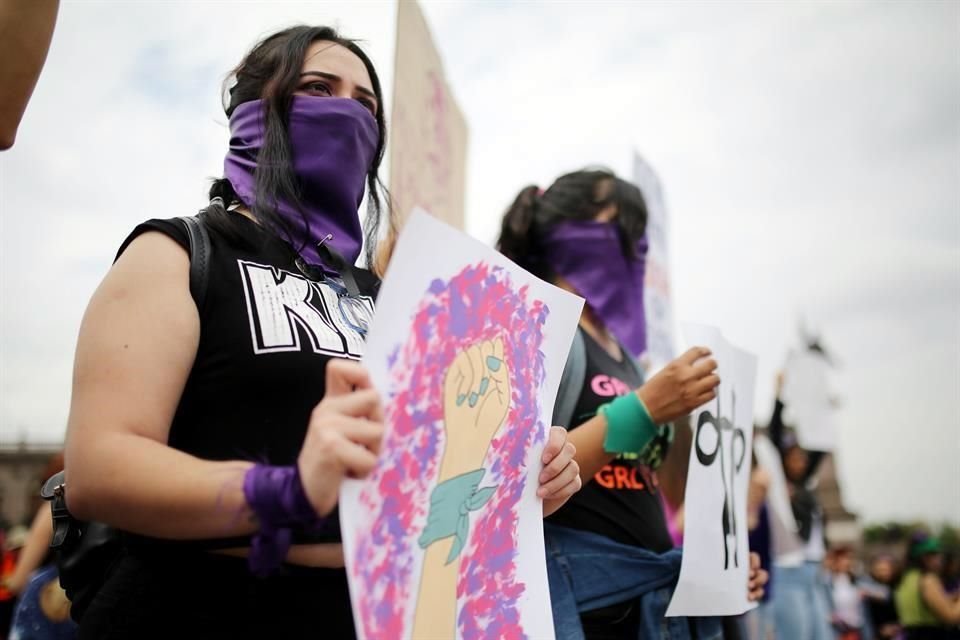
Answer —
591 257
214 430
610 559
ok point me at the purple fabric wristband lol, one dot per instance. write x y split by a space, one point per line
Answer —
276 496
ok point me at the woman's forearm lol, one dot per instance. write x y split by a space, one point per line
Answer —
26 28
588 439
143 486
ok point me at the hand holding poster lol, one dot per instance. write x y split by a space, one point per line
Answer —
716 563
445 538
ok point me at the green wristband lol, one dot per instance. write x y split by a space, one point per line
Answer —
450 505
629 425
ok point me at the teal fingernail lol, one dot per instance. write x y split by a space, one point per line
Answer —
460 399
484 384
473 399
493 363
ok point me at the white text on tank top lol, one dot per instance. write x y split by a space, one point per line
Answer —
281 304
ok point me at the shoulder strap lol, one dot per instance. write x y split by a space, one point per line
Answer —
341 266
571 383
199 257
53 492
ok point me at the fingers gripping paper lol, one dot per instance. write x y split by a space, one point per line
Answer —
715 567
445 538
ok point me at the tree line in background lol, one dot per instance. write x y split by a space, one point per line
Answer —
890 533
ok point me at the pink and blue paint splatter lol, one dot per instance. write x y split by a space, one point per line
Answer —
480 303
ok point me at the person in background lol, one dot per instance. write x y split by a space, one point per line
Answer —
848 617
610 557
12 540
926 611
42 611
36 551
951 572
801 608
878 596
26 28
760 621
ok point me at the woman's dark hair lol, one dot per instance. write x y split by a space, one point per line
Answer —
271 71
580 195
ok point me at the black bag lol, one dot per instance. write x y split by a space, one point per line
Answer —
87 551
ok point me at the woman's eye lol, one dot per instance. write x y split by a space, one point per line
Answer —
319 88
368 105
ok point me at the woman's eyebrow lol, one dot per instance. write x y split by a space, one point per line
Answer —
336 78
322 74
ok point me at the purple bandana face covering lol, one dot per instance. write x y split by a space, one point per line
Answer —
332 144
589 256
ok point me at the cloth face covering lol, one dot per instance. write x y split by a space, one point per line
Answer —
589 255
332 144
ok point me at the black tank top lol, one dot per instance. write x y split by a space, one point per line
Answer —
623 500
266 335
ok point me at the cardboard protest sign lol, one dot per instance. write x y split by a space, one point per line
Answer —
428 133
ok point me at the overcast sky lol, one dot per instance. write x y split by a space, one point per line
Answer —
810 155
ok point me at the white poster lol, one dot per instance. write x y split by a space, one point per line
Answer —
657 296
783 526
445 538
806 400
716 555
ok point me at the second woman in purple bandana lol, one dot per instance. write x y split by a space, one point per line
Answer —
610 558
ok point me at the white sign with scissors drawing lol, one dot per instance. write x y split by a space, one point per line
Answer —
716 553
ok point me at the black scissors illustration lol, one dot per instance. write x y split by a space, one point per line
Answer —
721 424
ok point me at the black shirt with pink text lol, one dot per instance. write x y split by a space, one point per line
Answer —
622 501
